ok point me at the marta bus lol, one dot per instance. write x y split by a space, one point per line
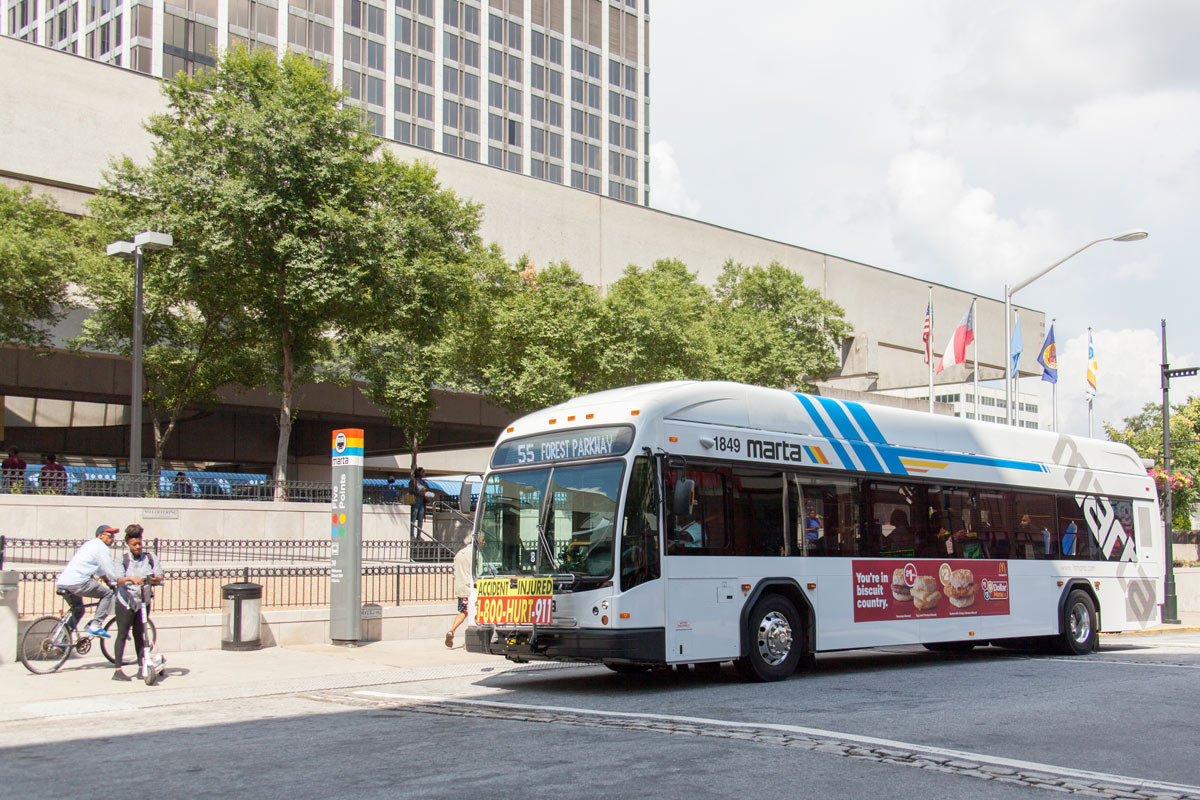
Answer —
701 522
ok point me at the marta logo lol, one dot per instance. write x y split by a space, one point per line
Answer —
339 443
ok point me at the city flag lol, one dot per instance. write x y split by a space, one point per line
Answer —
1016 344
1093 365
927 336
1048 358
956 348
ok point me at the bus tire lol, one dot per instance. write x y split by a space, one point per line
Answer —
1079 625
776 636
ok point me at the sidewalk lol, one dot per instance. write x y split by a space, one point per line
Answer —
83 685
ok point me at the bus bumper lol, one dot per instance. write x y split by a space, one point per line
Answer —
635 645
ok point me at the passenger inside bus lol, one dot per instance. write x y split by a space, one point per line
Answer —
901 540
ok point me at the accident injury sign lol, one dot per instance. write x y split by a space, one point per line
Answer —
514 601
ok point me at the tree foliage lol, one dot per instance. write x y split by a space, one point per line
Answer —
770 329
266 183
531 339
1144 433
655 326
36 259
428 239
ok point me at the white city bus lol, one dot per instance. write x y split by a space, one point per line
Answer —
701 522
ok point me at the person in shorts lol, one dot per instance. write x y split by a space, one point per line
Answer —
462 585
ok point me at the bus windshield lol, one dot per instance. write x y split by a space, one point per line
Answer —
551 520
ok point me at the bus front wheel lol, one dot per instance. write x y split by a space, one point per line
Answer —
1080 625
776 640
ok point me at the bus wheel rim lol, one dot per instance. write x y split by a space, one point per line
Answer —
1081 624
774 638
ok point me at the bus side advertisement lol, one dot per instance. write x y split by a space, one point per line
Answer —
928 589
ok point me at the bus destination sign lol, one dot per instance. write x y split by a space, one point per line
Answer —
564 446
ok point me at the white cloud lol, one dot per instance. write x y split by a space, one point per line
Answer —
667 189
1128 379
939 213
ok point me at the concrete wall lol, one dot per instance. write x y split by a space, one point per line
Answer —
69 115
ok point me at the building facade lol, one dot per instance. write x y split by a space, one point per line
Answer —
961 397
553 89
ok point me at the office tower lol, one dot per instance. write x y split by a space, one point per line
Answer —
554 89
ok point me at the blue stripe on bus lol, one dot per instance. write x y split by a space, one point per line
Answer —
890 453
863 418
824 429
860 447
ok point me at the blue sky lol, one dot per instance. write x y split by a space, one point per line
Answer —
966 142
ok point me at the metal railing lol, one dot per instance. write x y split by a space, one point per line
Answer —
102 482
17 551
199 590
80 483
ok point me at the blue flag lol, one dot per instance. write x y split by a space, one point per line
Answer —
1048 358
1016 344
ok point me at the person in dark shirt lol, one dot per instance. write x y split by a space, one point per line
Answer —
53 477
13 469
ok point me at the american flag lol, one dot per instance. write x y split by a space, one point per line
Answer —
927 336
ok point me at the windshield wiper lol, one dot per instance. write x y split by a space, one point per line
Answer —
541 525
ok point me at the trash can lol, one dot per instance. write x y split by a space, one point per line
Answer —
240 605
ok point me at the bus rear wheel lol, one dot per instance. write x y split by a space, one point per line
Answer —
776 640
1080 628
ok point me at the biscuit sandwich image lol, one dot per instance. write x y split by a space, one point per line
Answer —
900 589
925 594
961 588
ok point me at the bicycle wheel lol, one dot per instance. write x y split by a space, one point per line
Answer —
45 645
107 645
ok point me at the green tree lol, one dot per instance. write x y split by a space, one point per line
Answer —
36 260
533 339
655 327
770 329
1143 432
428 238
266 182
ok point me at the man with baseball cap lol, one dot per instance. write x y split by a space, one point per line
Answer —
79 576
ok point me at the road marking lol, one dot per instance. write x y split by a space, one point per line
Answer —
892 751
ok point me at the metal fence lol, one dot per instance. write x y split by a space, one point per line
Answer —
17 551
199 590
106 482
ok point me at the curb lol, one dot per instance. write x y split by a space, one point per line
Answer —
1156 631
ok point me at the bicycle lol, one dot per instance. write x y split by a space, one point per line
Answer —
49 641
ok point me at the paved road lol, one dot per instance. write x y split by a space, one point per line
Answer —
896 723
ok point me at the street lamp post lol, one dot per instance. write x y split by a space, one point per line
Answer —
1009 291
148 240
1170 601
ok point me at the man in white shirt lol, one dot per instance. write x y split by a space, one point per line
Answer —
78 578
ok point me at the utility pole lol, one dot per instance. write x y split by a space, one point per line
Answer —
1170 612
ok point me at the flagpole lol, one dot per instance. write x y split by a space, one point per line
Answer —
976 343
1090 396
930 349
1013 397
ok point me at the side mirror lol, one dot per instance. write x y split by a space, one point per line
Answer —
464 494
684 497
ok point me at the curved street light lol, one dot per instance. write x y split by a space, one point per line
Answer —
1009 291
